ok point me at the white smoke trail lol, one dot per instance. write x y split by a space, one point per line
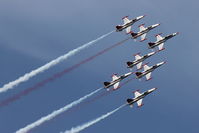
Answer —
52 63
90 123
55 113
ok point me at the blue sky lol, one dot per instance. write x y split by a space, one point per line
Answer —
33 33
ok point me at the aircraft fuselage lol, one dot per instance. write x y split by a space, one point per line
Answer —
157 43
141 96
140 60
126 25
151 69
138 34
118 80
122 27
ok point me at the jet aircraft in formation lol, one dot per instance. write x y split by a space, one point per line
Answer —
138 58
148 70
128 23
160 41
143 32
139 97
116 81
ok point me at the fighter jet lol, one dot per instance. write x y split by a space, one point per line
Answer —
127 23
143 31
116 80
147 71
138 60
139 97
160 41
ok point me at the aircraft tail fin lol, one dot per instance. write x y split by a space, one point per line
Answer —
151 44
129 101
138 74
118 27
129 63
107 83
133 34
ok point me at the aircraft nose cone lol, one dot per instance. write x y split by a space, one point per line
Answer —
157 24
143 16
155 88
161 63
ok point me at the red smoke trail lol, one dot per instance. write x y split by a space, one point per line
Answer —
55 76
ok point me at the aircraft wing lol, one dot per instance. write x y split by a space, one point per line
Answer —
143 37
148 76
114 77
139 65
137 57
137 94
139 102
115 86
159 37
126 20
146 67
142 27
161 46
128 29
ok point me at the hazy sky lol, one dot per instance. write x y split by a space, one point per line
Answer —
33 33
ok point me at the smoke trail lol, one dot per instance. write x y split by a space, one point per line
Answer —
52 63
68 108
55 113
57 75
90 123
93 99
